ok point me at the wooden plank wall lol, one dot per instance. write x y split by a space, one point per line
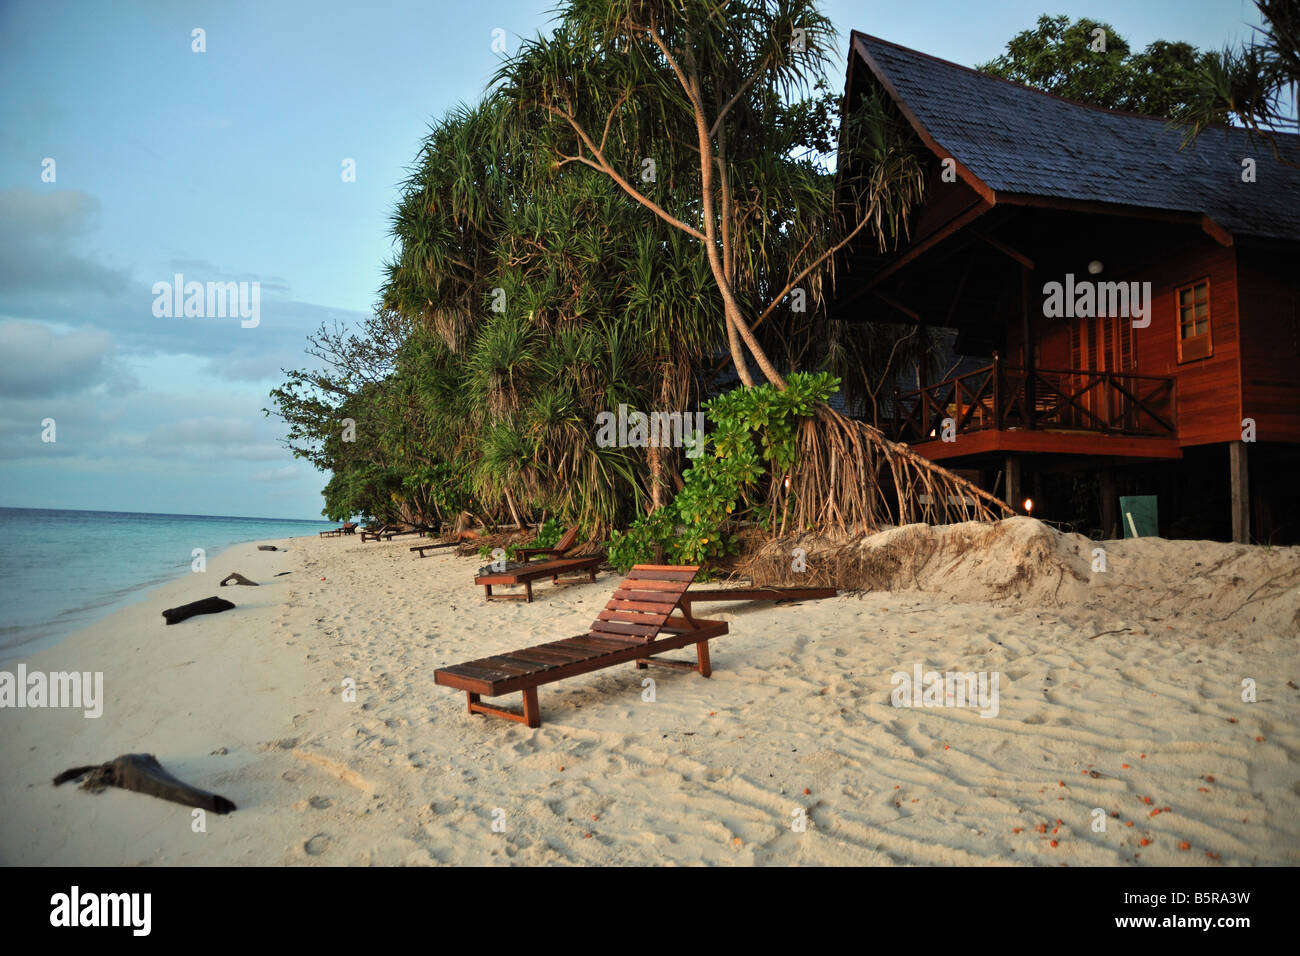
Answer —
1269 294
1209 389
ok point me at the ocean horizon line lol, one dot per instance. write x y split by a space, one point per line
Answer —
165 514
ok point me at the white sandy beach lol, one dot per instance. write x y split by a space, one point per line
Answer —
797 716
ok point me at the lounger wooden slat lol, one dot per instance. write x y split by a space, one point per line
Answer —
664 574
645 597
648 606
480 671
530 664
531 658
609 641
627 618
596 645
618 627
652 586
509 667
558 655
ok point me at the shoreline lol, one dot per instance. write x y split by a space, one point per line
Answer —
797 716
115 593
168 690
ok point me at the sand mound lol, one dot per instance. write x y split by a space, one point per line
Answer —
1023 561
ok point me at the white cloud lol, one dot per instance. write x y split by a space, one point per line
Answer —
40 363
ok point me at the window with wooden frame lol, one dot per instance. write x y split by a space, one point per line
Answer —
1193 305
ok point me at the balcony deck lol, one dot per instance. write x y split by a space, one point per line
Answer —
1002 408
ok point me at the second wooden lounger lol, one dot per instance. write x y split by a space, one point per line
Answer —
526 574
637 624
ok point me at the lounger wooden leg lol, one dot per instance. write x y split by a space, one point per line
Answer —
487 591
528 599
702 655
532 713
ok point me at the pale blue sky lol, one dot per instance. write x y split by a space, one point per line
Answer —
225 165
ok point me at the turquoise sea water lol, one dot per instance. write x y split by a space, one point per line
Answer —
63 570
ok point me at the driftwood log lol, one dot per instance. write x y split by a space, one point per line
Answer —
144 774
267 547
234 577
212 605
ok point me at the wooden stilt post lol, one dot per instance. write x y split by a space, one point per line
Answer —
1240 475
1109 505
1013 484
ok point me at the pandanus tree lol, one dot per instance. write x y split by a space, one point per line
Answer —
703 114
542 299
1251 83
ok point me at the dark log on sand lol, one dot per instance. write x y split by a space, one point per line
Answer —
144 774
212 605
234 577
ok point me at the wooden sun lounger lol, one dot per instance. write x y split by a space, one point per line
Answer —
533 572
384 532
461 537
636 625
757 594
561 546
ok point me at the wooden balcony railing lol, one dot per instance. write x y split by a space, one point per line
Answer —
1006 397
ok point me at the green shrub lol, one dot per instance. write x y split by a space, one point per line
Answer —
755 435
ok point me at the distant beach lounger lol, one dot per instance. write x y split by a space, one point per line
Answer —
561 546
461 537
636 624
526 574
384 531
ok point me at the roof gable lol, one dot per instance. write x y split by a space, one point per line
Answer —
1017 140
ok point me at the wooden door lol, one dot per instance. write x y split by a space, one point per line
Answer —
1100 344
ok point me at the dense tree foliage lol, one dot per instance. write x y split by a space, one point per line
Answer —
1090 62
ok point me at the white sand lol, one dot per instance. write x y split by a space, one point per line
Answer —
248 704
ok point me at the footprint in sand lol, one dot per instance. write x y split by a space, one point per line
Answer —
320 803
317 844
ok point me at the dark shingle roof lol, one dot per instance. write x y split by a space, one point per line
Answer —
1018 140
